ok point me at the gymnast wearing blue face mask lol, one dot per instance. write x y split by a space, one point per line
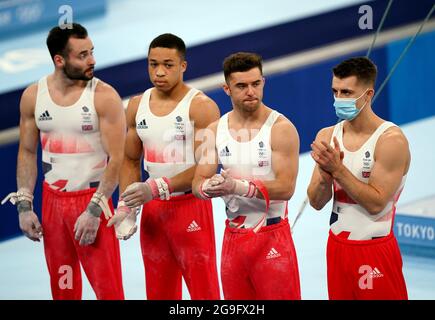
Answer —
361 164
346 109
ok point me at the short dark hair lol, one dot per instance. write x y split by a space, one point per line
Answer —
170 41
57 38
241 62
362 67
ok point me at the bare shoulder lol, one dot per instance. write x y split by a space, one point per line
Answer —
133 103
28 99
393 139
107 100
325 134
202 99
104 90
392 149
31 90
284 135
201 102
393 133
283 125
203 110
132 107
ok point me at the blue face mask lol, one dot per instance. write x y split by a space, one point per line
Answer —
345 108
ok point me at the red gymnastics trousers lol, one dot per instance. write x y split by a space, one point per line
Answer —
365 269
260 265
101 260
177 240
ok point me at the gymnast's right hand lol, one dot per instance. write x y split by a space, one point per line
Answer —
124 221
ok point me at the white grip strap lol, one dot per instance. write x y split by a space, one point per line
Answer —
259 185
245 188
21 195
121 203
204 195
163 188
101 200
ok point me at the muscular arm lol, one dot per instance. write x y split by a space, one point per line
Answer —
124 220
130 169
203 111
27 152
320 187
112 127
206 157
392 159
285 160
285 155
26 164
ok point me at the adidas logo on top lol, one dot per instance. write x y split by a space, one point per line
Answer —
142 125
225 152
376 273
45 116
193 226
273 254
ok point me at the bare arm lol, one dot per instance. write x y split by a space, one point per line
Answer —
206 157
203 111
112 127
285 155
285 160
320 187
134 193
124 220
27 169
111 118
26 164
392 159
130 169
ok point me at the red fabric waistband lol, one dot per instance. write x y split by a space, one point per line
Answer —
180 197
282 223
335 238
46 188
